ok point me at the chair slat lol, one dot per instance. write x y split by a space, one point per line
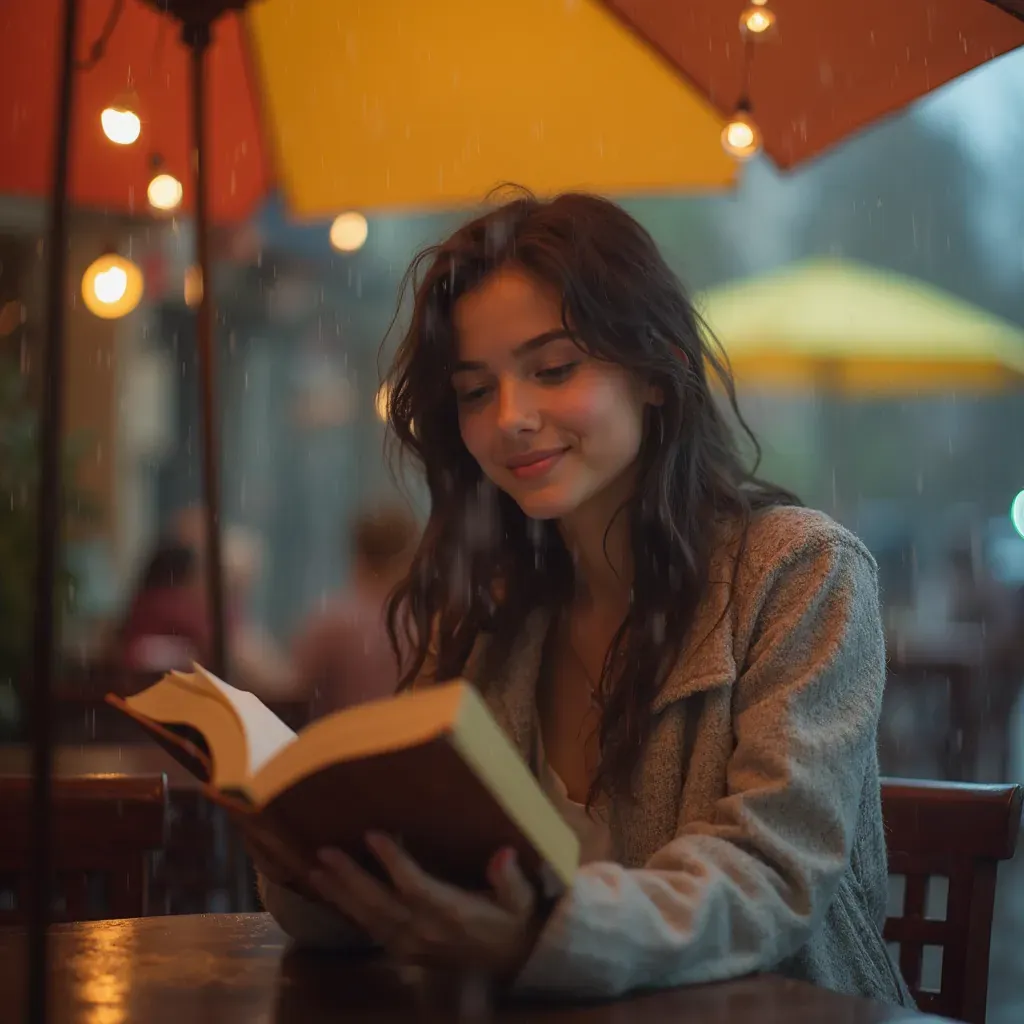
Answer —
959 832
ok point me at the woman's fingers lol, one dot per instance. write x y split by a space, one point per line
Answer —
360 896
426 920
512 890
423 893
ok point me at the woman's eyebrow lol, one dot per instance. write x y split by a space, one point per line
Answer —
530 345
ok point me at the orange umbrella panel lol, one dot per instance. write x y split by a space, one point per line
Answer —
826 68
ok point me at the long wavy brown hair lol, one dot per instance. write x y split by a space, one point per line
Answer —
482 566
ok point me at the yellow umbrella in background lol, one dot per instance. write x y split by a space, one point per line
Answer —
838 325
406 104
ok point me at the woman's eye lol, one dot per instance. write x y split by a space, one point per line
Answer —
470 395
556 374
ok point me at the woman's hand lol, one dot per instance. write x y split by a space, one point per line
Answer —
427 921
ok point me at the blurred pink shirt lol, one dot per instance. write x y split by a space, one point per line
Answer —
343 657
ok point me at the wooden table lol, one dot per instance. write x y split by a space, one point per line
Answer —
235 968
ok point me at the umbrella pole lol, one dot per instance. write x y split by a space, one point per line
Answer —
197 38
48 529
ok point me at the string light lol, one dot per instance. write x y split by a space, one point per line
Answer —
120 121
757 19
349 231
164 192
741 138
111 286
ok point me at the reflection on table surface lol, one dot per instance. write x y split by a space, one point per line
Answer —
237 967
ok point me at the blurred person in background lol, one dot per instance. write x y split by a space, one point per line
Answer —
342 655
166 626
256 661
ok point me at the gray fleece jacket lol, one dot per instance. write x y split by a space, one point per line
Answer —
755 842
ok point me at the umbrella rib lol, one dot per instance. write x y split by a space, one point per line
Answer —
99 47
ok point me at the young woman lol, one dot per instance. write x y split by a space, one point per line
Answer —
692 664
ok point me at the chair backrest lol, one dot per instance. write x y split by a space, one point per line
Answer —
952 836
104 829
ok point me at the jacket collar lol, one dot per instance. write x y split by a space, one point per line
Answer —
707 662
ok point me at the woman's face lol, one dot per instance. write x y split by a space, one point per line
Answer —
550 425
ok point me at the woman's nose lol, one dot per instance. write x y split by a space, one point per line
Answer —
516 411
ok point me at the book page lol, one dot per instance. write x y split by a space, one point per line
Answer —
186 700
265 733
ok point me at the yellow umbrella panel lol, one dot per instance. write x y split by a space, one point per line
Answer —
854 329
405 104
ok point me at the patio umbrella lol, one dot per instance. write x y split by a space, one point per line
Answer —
840 325
823 69
374 107
847 330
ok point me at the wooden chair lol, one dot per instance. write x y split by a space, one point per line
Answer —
954 833
104 829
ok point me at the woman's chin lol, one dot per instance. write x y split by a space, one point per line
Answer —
545 505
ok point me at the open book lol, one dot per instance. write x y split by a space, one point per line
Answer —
430 767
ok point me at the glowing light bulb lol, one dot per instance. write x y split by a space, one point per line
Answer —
164 192
121 124
111 286
1017 513
757 19
349 231
741 138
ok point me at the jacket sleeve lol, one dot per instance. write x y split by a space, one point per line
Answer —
744 890
309 924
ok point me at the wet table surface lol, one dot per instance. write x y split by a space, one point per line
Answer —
237 968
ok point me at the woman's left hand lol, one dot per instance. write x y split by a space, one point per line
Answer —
424 920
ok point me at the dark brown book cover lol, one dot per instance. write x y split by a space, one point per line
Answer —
425 796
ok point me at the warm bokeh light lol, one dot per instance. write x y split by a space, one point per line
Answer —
121 125
381 402
349 231
757 19
164 192
741 138
193 286
111 286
